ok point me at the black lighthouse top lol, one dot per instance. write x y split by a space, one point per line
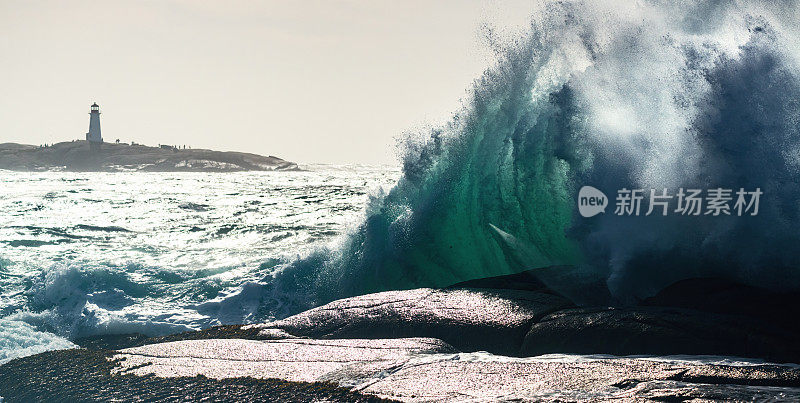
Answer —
95 107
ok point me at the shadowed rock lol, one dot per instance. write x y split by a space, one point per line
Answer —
724 296
659 331
691 316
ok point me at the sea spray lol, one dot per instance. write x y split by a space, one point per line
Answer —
641 95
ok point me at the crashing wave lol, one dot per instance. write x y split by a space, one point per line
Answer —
640 95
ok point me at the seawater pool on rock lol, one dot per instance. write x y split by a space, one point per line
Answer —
85 254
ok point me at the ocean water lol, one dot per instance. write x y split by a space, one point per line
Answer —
84 254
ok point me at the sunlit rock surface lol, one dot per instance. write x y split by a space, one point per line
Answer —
483 377
397 369
468 319
426 369
299 360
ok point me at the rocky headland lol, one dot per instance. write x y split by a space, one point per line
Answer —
114 157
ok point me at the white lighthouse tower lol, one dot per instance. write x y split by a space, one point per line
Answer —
93 137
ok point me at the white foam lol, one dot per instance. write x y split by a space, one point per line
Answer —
19 339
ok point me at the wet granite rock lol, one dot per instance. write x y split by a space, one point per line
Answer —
659 331
723 296
468 319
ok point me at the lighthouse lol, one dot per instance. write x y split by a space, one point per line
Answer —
93 137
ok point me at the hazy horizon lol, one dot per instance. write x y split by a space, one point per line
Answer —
313 81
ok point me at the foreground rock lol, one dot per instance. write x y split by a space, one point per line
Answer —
398 369
477 377
77 156
429 344
82 375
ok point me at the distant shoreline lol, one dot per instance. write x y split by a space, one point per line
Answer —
77 156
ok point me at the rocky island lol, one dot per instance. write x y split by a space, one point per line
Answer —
79 155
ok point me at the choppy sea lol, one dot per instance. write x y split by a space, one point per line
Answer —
84 254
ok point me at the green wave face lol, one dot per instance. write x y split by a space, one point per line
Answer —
490 194
611 95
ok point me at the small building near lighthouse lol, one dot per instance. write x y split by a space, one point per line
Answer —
93 136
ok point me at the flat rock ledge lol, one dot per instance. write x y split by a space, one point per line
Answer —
296 360
372 370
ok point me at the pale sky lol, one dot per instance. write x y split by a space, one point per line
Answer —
308 81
